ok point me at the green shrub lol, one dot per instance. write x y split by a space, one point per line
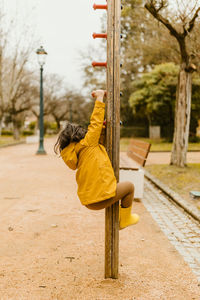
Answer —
6 132
194 139
50 127
27 132
133 131
32 125
46 126
53 126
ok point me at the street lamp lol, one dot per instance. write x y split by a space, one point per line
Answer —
41 55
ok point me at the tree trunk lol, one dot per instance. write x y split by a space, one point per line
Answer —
16 134
182 118
184 88
171 118
58 124
16 129
1 125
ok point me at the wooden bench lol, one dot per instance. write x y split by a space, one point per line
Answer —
131 165
138 151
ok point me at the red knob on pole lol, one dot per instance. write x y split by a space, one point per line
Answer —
99 35
99 64
100 6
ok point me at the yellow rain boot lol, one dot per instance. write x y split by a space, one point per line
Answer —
126 218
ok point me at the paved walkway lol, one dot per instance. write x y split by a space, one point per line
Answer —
164 158
52 248
182 230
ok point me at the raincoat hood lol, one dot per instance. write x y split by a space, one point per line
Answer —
69 155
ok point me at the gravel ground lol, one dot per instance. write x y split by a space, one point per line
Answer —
52 248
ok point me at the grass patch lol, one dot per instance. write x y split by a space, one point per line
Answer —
8 140
124 142
181 180
157 145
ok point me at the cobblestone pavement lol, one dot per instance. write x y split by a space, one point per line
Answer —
182 230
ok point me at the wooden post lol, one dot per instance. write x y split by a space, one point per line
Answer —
113 132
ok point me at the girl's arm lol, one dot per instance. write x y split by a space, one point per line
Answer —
102 139
96 121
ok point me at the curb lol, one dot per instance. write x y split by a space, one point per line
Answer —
165 151
193 211
14 144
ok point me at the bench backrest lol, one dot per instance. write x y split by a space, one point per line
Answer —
138 151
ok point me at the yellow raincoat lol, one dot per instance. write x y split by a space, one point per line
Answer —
95 176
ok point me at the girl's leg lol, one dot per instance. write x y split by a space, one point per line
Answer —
124 192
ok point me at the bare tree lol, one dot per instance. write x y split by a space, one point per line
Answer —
181 30
16 46
55 103
62 103
78 108
35 100
3 43
17 93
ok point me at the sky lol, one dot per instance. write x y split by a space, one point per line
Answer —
63 28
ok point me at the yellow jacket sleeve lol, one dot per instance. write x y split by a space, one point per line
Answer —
96 123
102 139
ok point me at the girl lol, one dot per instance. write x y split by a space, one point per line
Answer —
97 186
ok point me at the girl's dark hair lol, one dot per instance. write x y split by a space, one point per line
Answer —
71 133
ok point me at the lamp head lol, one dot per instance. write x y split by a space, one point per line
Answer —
41 55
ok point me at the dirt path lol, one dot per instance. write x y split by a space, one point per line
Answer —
52 248
164 158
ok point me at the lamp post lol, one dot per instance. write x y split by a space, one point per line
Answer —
41 55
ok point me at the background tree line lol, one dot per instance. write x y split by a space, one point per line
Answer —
160 52
19 83
160 57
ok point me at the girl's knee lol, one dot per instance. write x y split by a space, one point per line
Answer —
90 206
131 187
95 206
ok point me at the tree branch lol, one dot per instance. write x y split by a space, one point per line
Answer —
192 21
155 12
162 5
